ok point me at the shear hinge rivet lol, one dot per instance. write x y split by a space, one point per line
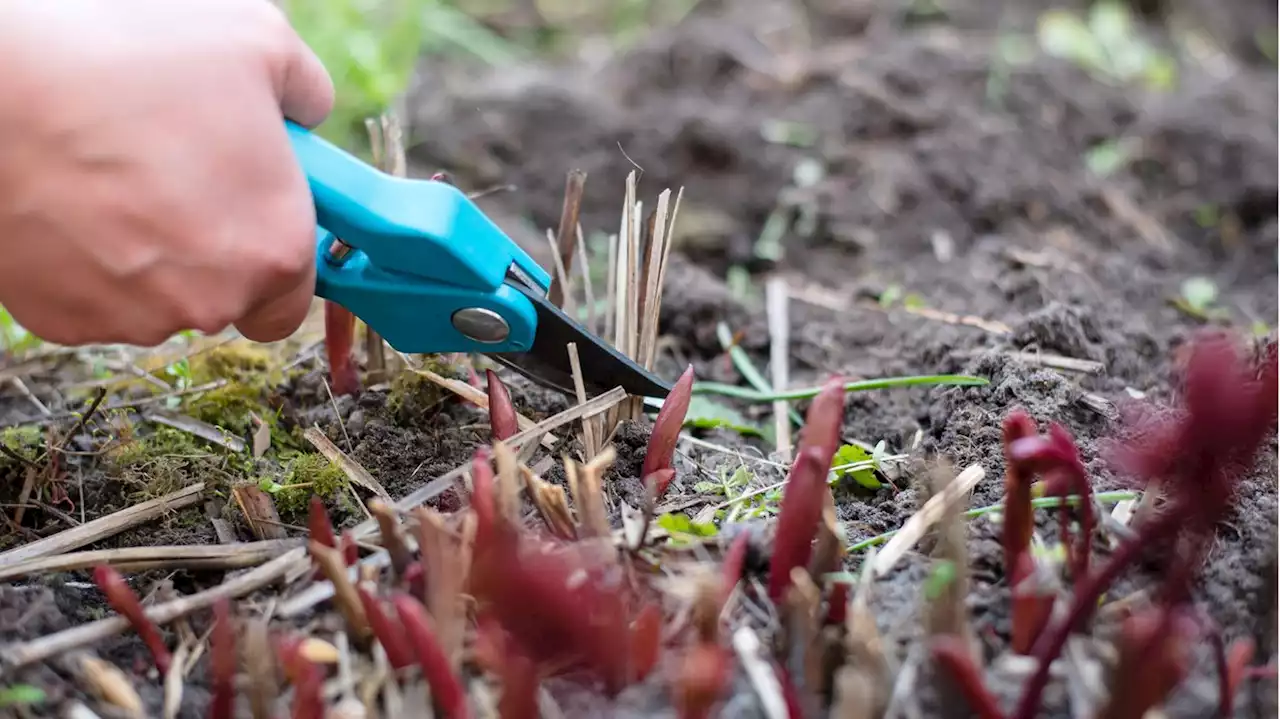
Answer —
481 325
338 252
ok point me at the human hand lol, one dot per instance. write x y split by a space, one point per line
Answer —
147 184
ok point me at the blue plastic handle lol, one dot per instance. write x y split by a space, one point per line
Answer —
421 250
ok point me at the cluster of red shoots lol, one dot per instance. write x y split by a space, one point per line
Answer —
1194 456
545 607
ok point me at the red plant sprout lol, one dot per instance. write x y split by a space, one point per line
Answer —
731 568
666 427
1057 457
1018 523
658 482
483 494
288 648
703 675
646 641
1031 605
838 604
519 676
804 494
502 413
1153 660
1233 667
954 655
390 634
448 693
1196 454
350 550
320 529
798 519
319 526
551 606
222 656
823 420
339 336
126 602
308 699
790 693
415 579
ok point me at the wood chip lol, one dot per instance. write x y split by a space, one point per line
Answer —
14 656
475 396
173 684
759 671
508 476
195 427
915 527
357 474
259 511
595 405
110 683
777 298
1052 361
551 503
947 614
864 650
590 435
563 241
260 668
261 436
588 495
134 559
447 561
104 527
318 651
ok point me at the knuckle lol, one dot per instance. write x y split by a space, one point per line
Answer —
288 256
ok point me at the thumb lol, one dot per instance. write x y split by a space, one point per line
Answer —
305 89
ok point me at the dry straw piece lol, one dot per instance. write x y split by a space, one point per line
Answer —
636 270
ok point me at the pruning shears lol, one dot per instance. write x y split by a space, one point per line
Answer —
421 264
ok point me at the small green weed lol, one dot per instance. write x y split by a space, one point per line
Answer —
706 413
736 487
853 462
894 294
15 338
21 695
684 530
1106 158
1107 45
1198 299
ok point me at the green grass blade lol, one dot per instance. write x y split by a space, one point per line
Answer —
1039 503
751 395
748 369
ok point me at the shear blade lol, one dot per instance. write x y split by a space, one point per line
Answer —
603 367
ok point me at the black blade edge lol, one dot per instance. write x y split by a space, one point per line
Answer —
603 366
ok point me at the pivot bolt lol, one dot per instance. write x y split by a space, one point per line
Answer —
338 252
481 325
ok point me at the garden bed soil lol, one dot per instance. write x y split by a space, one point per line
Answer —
947 174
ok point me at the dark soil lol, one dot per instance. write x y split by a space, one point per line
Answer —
947 173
